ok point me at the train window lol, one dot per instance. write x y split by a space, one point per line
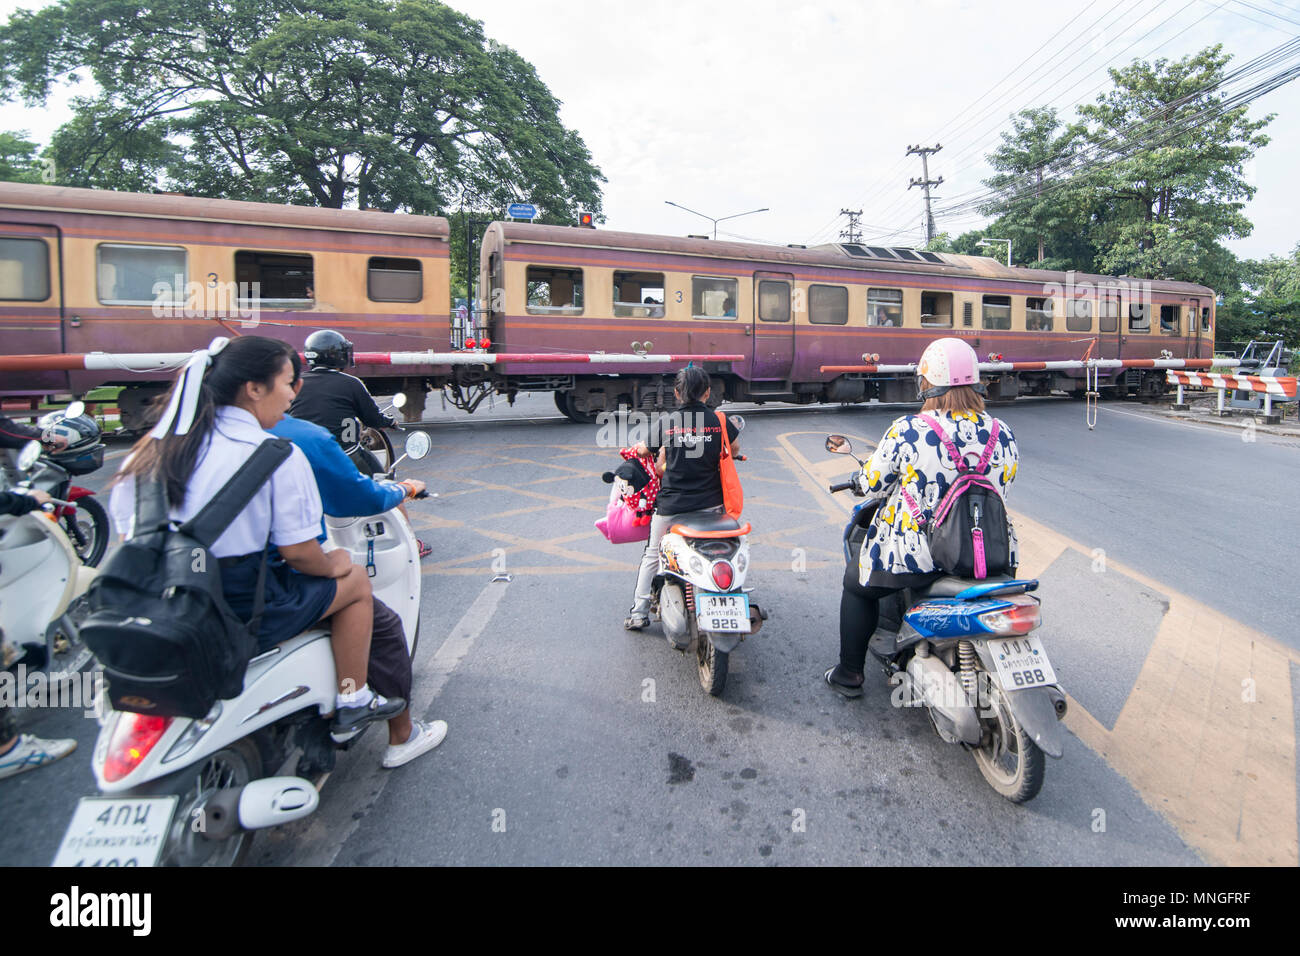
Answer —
277 280
24 270
713 298
1108 314
1139 317
936 310
967 314
1170 320
828 304
1078 315
997 312
141 275
639 295
1038 315
394 280
885 307
774 301
1205 318
554 291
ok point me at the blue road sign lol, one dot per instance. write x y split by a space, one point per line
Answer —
521 210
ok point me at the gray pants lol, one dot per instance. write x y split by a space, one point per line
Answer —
659 526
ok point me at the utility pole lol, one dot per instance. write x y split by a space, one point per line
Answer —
851 234
925 182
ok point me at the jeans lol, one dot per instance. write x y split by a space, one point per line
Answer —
659 525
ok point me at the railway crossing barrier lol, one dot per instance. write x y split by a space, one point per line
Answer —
1279 388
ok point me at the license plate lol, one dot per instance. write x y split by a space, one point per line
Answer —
722 612
124 831
1021 662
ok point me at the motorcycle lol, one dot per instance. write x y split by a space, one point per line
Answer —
184 792
964 649
372 452
82 515
699 592
42 579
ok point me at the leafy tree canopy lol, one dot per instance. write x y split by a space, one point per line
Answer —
18 160
398 105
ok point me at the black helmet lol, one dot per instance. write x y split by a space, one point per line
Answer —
328 349
79 432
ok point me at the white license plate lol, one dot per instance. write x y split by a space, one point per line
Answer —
116 831
722 612
1021 662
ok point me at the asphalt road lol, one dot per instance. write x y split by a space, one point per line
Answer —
575 742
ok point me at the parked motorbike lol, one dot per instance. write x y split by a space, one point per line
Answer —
41 580
81 513
699 593
964 649
177 791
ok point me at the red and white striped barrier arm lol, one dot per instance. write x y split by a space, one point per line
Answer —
1064 365
143 362
1285 387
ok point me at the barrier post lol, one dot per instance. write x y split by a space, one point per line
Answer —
1180 405
1221 412
1269 417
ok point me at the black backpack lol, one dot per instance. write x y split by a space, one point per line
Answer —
159 624
968 534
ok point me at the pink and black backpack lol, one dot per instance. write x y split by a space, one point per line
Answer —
968 534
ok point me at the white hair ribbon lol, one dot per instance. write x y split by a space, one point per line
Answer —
185 396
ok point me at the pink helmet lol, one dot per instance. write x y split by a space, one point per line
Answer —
948 362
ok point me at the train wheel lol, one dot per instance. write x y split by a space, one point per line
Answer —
565 403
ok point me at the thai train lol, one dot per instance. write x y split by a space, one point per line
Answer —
95 271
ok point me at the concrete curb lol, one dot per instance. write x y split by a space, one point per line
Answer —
1235 421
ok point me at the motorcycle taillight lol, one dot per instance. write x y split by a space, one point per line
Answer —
723 574
133 737
1017 619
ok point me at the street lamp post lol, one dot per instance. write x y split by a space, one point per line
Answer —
991 242
718 220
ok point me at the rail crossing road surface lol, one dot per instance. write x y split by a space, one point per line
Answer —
1168 558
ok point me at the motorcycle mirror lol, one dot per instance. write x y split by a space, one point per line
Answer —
75 410
737 421
28 457
417 445
839 445
399 400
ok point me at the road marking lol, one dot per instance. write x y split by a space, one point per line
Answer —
358 780
1222 771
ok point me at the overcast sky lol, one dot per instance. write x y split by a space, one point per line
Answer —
809 107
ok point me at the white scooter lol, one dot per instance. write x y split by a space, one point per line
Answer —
41 576
177 791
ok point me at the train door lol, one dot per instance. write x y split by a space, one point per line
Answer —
31 301
1192 316
772 326
1111 310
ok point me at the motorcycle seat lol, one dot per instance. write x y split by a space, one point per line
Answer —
951 587
707 524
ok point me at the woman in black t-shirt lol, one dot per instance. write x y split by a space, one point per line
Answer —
688 461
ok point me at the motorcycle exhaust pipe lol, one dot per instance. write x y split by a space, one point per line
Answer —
941 691
268 802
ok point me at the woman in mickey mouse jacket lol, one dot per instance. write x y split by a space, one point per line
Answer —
911 462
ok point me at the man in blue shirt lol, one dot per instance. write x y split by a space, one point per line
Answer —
345 492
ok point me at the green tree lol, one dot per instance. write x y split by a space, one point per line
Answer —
1171 187
18 160
1267 303
397 105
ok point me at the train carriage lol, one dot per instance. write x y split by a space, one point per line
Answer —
89 270
791 311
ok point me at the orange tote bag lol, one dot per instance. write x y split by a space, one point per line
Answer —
733 496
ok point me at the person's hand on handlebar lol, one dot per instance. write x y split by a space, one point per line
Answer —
413 486
39 495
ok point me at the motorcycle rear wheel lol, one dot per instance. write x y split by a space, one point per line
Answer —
712 665
1009 760
233 766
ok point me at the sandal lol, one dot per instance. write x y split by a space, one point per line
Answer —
844 690
636 622
424 549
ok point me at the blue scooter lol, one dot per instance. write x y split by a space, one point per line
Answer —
964 649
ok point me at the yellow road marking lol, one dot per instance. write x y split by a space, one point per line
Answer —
1222 770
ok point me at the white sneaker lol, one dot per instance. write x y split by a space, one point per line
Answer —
424 737
32 752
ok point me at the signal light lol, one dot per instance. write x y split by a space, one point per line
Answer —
485 343
586 220
471 344
133 737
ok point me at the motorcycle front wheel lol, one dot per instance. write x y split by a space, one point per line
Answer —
1008 759
712 665
88 530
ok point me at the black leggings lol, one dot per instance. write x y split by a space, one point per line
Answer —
859 614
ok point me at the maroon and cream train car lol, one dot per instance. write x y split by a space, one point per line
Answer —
792 310
87 270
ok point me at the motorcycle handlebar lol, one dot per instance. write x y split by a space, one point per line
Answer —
422 494
842 486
